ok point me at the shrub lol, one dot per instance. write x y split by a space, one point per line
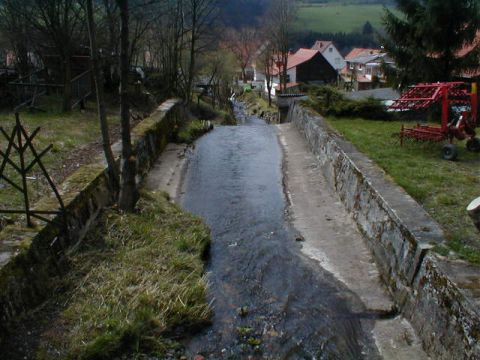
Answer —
328 101
193 130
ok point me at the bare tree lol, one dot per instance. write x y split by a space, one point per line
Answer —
200 15
267 61
279 19
111 21
128 187
218 66
99 83
59 23
243 43
13 27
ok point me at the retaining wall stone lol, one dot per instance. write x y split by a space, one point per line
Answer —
439 296
30 259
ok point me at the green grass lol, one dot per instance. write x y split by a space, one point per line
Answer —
139 280
257 104
67 132
203 109
335 18
192 131
444 188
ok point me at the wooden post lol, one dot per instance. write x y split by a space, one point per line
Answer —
474 212
23 172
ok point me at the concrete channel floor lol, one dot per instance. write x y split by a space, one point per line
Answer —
331 237
166 174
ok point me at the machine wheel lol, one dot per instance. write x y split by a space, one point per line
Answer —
473 145
450 152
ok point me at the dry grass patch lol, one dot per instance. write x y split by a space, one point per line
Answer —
137 286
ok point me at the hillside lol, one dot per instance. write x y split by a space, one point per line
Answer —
237 13
324 16
348 2
335 17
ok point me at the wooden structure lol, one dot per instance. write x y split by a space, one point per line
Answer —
19 144
6 76
49 80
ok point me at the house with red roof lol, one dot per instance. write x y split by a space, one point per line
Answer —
304 66
365 69
331 53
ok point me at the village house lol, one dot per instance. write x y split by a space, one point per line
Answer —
365 69
331 53
304 66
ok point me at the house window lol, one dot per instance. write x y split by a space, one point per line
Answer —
369 71
330 49
351 66
360 67
288 78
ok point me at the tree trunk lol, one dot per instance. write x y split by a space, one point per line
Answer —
193 44
22 62
102 116
128 187
110 67
67 91
284 80
269 88
474 212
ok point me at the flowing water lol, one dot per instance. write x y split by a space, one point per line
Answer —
269 301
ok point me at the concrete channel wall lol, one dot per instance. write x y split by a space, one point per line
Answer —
440 297
31 258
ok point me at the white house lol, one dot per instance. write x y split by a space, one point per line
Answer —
331 53
365 68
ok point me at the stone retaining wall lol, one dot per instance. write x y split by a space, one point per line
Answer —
439 296
30 259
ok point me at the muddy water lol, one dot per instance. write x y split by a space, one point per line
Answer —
269 300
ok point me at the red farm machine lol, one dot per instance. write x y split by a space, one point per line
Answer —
459 106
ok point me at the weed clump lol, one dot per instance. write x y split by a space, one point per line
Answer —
193 130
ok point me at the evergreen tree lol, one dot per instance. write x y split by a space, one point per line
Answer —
367 29
425 39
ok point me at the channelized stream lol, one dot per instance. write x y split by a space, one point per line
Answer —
269 300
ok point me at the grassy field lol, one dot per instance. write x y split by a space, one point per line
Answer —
334 18
67 132
444 188
134 288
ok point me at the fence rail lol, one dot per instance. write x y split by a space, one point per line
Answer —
28 88
81 87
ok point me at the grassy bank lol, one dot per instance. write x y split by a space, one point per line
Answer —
135 288
334 18
444 188
257 105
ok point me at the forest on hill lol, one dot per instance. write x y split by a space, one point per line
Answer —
237 13
350 2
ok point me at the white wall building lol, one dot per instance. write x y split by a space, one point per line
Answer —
331 53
